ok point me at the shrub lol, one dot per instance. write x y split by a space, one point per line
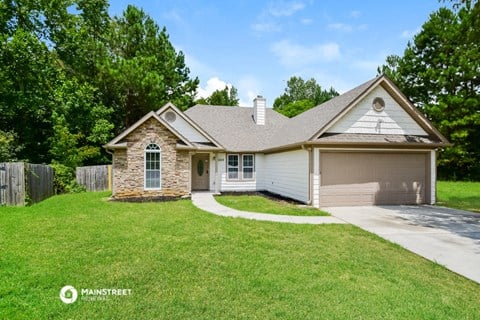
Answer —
64 180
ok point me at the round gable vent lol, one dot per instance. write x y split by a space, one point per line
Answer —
378 104
170 116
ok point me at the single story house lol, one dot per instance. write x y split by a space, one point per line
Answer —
367 146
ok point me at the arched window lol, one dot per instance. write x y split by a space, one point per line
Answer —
153 165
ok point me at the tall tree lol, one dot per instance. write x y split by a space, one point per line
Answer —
71 74
79 38
301 95
439 72
143 70
8 146
28 75
21 14
80 124
225 97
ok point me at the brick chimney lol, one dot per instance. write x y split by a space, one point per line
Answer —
259 105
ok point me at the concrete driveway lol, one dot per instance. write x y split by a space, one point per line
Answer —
446 236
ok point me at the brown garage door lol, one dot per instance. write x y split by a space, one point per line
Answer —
349 178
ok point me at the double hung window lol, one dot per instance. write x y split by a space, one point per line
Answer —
153 162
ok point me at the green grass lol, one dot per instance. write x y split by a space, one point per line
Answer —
460 195
182 263
256 203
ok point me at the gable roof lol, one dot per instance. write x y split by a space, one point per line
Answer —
234 127
309 126
304 126
170 105
117 142
184 143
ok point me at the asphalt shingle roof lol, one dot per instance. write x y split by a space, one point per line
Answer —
234 127
236 131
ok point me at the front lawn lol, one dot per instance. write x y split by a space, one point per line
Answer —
460 195
182 263
262 204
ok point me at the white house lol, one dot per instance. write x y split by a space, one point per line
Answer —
369 145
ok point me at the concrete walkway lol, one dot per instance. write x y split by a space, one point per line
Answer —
446 236
206 202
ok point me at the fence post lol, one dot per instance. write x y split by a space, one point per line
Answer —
3 184
23 183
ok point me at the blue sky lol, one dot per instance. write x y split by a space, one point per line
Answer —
258 45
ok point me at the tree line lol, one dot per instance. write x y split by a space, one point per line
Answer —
73 77
439 72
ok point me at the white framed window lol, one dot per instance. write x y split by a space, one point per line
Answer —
243 164
153 166
248 165
233 166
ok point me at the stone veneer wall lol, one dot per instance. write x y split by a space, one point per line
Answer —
129 164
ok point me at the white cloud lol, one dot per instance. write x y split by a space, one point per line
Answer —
355 14
408 34
248 89
343 27
340 27
363 27
306 21
174 16
368 65
291 54
328 79
196 66
267 20
266 27
285 9
212 84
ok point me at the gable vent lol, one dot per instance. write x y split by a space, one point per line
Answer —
378 104
170 116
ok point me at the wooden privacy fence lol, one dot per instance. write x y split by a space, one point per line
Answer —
23 183
95 178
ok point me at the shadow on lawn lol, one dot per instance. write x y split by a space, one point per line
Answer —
469 203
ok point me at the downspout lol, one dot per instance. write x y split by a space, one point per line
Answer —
215 181
111 185
310 173
190 155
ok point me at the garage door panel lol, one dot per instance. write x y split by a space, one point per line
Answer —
336 200
361 194
372 178
398 198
